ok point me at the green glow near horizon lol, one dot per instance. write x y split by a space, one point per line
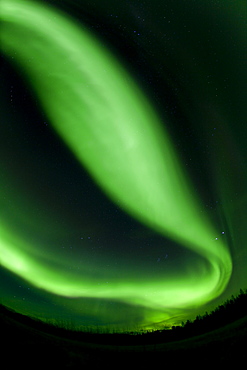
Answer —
109 125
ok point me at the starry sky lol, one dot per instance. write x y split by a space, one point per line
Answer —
123 159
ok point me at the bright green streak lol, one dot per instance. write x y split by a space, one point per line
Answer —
107 122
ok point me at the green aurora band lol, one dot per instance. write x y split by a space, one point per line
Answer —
112 129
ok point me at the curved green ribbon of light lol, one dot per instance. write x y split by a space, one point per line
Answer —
107 122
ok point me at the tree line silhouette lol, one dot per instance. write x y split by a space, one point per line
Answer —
228 312
231 310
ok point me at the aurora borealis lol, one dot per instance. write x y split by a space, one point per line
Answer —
123 173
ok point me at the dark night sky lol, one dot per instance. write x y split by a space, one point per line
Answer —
188 59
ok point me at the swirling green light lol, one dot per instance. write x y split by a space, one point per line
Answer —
107 122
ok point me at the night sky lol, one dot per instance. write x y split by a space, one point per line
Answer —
123 159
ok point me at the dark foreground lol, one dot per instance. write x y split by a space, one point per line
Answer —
25 345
